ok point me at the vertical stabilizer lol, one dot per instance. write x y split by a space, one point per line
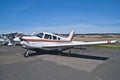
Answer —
70 37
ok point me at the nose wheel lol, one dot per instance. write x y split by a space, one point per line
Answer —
26 54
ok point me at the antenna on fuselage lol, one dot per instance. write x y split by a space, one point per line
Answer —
32 33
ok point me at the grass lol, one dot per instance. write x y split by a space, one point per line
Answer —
107 46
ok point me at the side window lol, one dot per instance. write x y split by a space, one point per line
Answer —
58 38
54 38
47 36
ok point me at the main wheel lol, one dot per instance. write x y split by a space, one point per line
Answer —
26 54
59 51
37 52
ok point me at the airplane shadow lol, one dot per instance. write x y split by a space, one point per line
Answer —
85 56
75 55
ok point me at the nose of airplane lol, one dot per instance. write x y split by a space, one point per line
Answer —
22 42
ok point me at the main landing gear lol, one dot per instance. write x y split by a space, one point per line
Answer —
60 51
26 54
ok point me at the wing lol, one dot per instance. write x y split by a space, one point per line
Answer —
79 43
93 43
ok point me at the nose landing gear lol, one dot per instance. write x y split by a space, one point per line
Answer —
26 54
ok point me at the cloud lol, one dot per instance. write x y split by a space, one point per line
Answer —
79 28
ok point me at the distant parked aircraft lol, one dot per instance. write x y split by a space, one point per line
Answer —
4 40
16 41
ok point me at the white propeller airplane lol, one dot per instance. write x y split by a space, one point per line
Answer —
48 41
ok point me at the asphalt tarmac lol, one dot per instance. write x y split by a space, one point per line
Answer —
80 64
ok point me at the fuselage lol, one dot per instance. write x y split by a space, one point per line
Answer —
42 40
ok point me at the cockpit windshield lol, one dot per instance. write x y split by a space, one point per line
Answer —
40 35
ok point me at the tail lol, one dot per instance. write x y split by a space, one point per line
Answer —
70 37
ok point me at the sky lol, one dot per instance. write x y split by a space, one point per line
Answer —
60 16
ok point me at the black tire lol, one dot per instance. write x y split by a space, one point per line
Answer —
37 52
26 54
